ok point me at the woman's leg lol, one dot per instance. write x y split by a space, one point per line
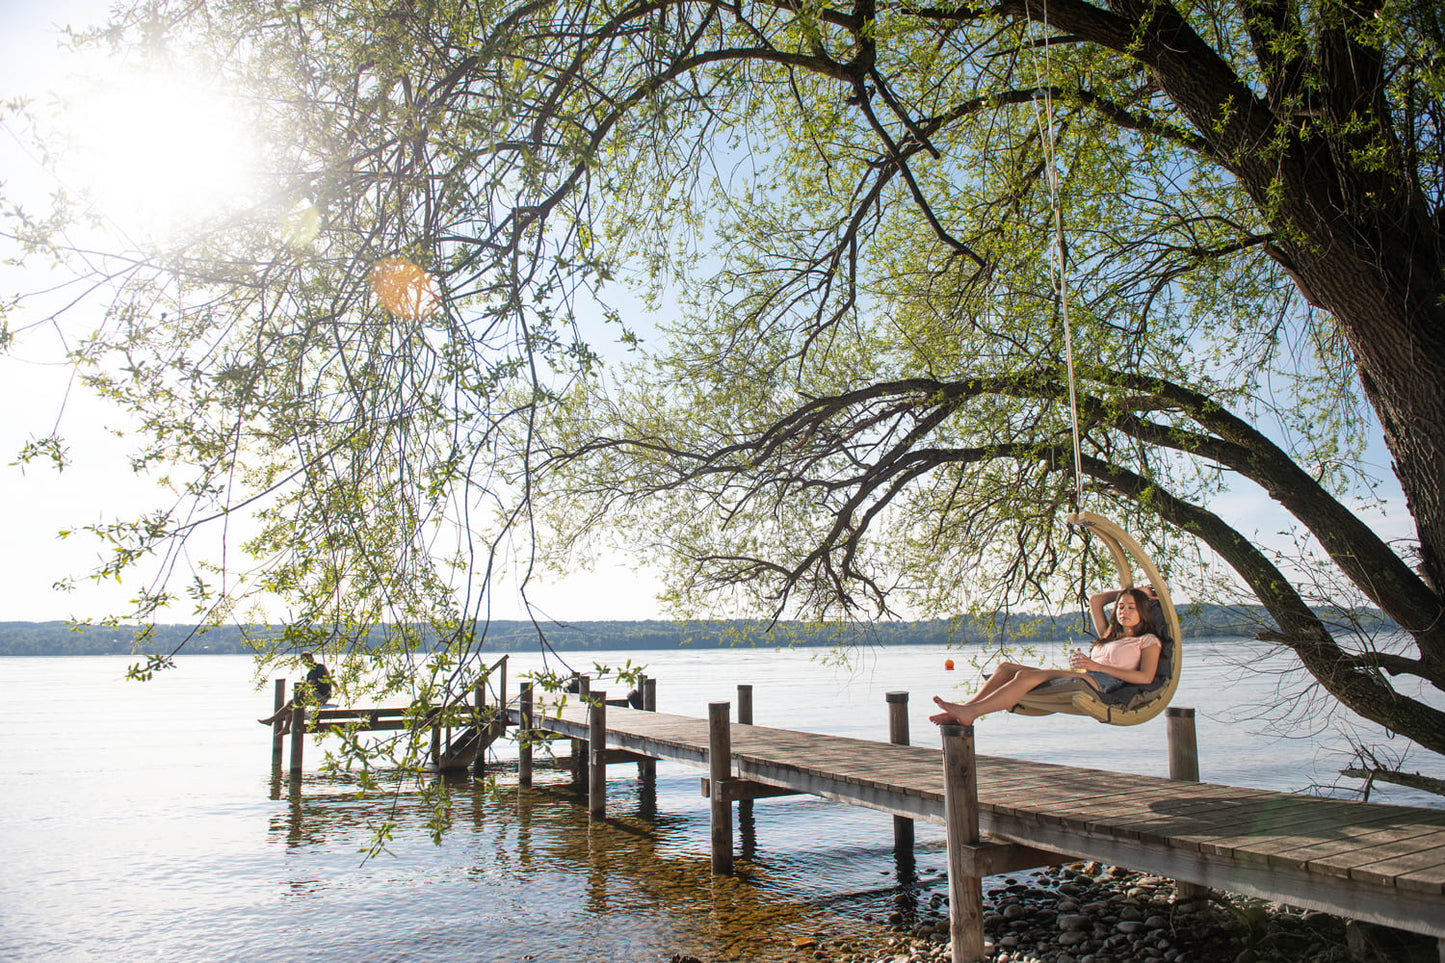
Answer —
1005 696
281 713
1000 677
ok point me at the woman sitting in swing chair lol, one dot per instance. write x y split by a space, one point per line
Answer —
1127 651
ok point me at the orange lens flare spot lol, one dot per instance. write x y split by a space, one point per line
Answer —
406 290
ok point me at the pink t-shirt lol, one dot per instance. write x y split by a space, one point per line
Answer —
1123 653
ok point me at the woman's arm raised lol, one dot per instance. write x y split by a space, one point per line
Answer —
1097 601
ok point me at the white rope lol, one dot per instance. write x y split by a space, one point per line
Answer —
1058 255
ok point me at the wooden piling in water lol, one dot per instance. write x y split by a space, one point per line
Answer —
745 717
479 704
960 814
298 738
580 749
597 756
898 736
1183 765
524 736
719 770
647 768
278 741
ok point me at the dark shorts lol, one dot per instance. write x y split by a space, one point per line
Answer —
1105 681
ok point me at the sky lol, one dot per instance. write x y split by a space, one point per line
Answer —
35 386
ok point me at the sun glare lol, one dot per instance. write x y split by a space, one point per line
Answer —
155 154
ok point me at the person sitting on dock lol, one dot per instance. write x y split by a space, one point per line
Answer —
1127 651
314 690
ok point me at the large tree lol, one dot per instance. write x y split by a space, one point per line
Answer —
869 225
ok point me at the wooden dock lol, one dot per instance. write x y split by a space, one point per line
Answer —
1364 861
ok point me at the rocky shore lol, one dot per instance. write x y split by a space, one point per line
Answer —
1088 913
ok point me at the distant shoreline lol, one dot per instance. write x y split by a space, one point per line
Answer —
62 638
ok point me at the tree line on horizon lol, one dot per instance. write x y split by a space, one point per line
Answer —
58 638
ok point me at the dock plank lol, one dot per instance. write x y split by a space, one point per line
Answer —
1361 860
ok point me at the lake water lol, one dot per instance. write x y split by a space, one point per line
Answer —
144 822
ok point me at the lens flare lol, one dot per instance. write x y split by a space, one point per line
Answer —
406 290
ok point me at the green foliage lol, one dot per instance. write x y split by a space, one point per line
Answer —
875 234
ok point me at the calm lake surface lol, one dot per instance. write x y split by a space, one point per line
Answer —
144 822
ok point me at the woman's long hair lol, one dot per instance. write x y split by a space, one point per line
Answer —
1145 606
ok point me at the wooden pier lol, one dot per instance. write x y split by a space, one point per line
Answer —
460 731
1362 861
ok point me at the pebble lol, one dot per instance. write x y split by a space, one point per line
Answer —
1092 913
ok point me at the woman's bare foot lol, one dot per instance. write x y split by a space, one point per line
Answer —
266 722
953 714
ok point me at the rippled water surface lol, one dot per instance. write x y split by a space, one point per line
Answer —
144 822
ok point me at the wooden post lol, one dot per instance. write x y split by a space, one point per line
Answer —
479 705
502 694
1184 766
278 741
898 735
298 738
1183 745
580 749
436 742
719 770
524 736
960 814
596 758
647 768
745 717
745 704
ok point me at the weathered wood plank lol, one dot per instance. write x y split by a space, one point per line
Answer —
1422 867
1375 863
1372 830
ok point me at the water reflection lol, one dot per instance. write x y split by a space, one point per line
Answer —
641 875
145 823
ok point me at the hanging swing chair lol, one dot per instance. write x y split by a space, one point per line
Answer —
1127 705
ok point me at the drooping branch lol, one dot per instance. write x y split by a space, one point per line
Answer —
1413 780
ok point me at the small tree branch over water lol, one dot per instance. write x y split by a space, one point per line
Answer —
856 400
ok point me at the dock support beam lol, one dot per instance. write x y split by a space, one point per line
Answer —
278 741
524 736
960 815
719 771
647 769
898 735
1184 766
597 756
745 717
298 738
579 746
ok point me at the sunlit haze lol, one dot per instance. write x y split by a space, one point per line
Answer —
155 152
